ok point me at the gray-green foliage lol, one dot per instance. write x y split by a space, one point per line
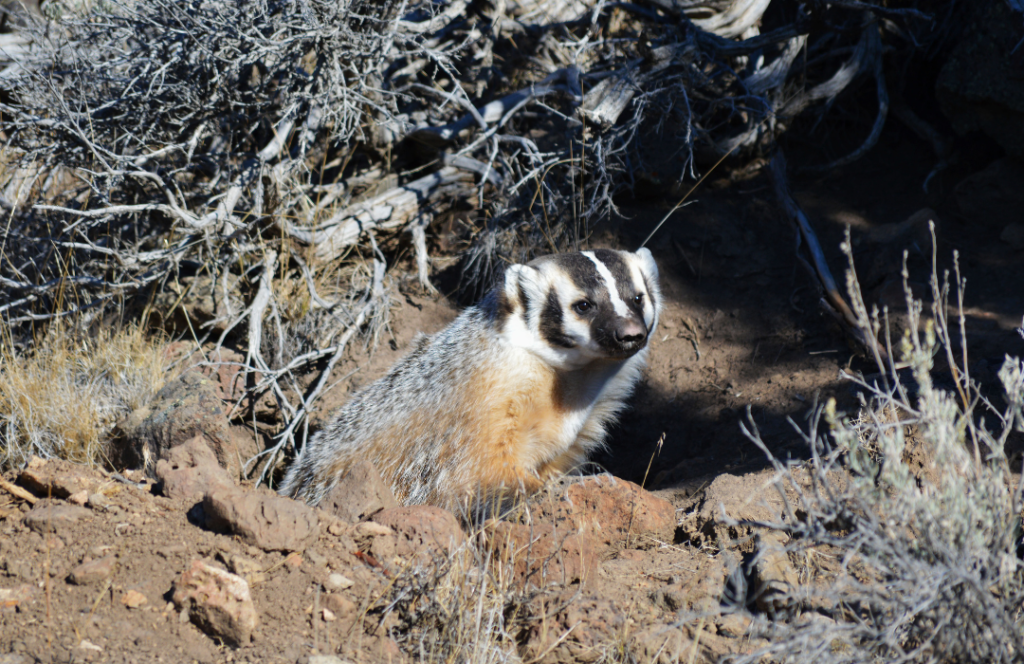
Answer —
927 564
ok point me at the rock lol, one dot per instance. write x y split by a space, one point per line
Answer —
734 625
226 368
375 539
337 581
133 599
79 498
183 409
56 478
1013 235
100 503
10 598
266 520
993 196
741 497
340 606
613 512
326 659
977 88
54 518
247 568
575 629
217 602
541 555
190 470
773 575
360 494
93 571
422 529
88 645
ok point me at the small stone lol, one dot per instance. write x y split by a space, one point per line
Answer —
341 606
93 571
329 616
218 602
133 599
11 597
337 581
326 659
293 560
247 568
79 498
734 625
100 503
85 644
50 518
371 529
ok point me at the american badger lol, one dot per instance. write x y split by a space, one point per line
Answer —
518 388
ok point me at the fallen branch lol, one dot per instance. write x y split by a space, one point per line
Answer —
391 210
821 270
17 491
559 81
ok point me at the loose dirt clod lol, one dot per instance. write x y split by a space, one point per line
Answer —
94 571
50 517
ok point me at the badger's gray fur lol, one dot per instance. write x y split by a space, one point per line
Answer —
518 388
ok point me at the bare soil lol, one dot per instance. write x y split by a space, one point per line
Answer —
741 328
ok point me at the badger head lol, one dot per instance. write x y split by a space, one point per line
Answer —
575 309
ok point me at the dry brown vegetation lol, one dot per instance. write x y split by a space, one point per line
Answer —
63 397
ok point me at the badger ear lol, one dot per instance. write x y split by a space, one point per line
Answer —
521 284
647 263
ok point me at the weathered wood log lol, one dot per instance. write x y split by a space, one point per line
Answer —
606 101
391 210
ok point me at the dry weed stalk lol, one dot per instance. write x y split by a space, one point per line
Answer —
929 567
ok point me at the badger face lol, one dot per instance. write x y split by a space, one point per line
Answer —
574 309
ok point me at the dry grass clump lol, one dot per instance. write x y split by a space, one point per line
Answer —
458 608
927 565
63 398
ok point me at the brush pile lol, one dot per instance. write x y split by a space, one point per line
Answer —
275 156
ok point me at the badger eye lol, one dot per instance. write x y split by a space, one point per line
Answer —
638 299
581 307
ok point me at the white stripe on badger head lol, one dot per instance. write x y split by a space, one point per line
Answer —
610 283
650 303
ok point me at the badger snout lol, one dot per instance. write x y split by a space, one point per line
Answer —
625 336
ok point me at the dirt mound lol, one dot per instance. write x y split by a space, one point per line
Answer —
246 575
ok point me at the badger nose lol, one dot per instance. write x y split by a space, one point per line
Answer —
630 332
